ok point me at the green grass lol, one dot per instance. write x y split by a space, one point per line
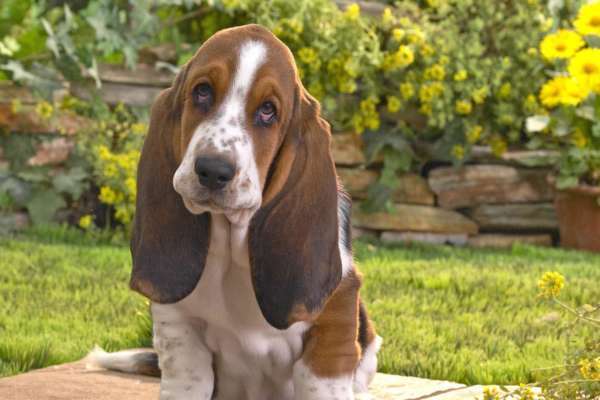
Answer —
445 313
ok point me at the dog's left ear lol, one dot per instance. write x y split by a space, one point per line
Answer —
293 237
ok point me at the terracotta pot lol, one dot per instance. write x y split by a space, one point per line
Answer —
578 211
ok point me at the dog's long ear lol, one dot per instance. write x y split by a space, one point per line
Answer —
169 244
293 237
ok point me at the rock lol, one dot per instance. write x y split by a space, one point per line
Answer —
114 93
416 218
519 158
518 217
472 185
52 152
10 92
394 387
412 188
347 149
28 121
13 222
362 233
507 241
142 75
456 239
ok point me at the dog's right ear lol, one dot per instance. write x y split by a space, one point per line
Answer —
169 244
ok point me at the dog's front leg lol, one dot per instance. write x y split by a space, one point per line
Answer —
184 360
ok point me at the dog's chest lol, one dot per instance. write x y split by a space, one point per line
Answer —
247 351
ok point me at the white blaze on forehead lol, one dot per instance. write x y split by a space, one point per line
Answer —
251 57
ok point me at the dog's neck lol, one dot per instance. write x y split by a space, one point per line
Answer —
226 237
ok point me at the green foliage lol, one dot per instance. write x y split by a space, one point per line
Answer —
35 188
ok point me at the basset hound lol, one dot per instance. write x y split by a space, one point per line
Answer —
242 236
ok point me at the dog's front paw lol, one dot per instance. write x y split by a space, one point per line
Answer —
308 386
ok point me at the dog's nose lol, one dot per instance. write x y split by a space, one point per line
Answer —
213 172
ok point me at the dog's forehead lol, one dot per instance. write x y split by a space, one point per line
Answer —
225 46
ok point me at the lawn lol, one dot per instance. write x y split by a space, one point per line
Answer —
470 316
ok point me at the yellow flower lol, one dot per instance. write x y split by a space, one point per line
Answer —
505 90
407 90
427 50
458 152
398 34
107 195
463 107
562 44
85 221
309 57
530 104
490 393
435 73
428 92
588 20
44 109
498 146
474 134
562 90
479 95
138 128
387 18
579 139
590 369
461 75
417 37
353 12
434 3
347 86
425 109
551 284
403 57
585 66
316 89
393 104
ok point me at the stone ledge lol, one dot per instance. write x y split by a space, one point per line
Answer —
74 382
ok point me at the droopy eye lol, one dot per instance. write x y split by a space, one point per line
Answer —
266 114
203 96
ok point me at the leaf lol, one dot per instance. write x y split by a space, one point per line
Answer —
565 182
537 123
43 206
71 182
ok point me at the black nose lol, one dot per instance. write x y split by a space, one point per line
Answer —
213 172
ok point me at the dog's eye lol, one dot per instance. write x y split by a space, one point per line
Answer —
266 114
203 96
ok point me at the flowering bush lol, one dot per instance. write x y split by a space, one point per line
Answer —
570 97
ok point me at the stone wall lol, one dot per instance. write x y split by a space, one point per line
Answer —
490 203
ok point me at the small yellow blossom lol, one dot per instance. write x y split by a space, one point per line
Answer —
393 104
427 50
590 369
402 58
387 18
85 222
430 91
310 57
44 109
417 37
490 393
107 195
530 104
398 34
479 95
426 109
562 44
407 90
551 284
579 139
316 89
588 19
138 128
505 91
352 12
474 134
461 75
498 146
458 152
435 73
463 107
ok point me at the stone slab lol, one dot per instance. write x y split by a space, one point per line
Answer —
412 188
516 217
507 241
456 239
473 185
415 218
74 381
347 149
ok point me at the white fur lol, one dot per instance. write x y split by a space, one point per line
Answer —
251 359
226 135
308 386
345 255
121 361
367 367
